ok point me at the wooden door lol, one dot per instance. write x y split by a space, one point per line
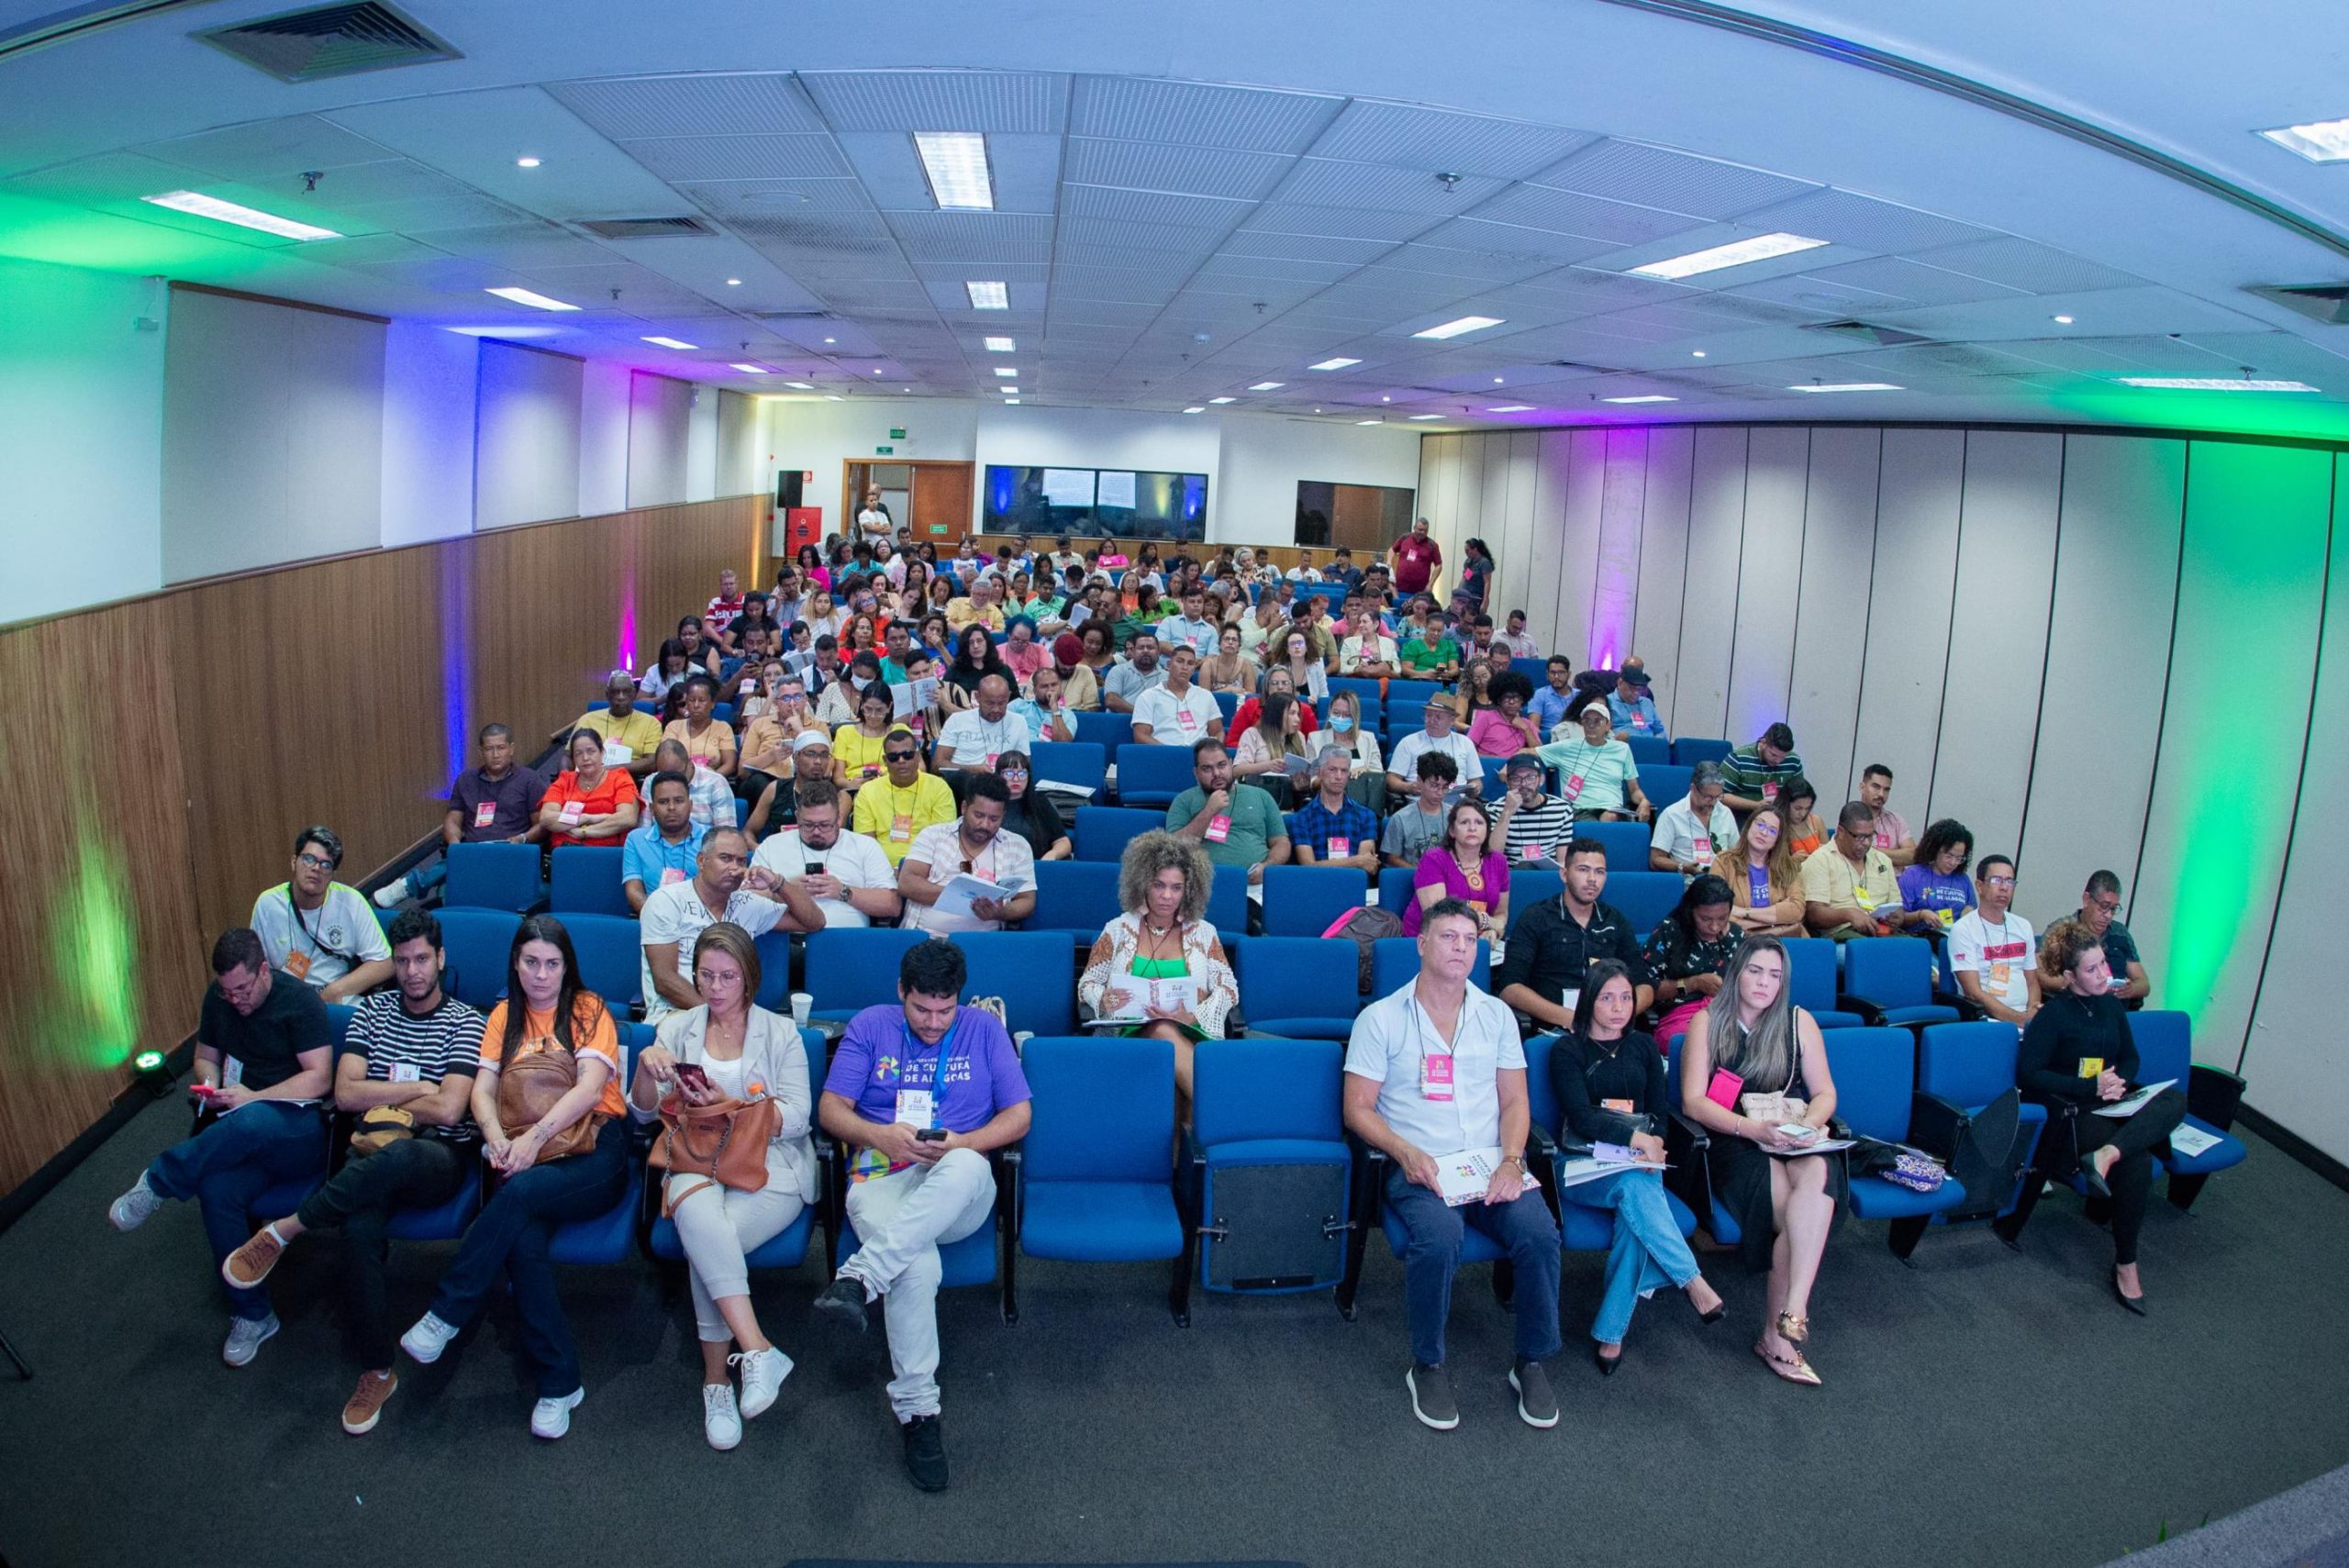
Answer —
940 508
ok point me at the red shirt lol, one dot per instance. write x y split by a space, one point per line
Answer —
720 614
606 798
1415 559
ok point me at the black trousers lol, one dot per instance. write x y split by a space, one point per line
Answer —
361 1198
2132 1176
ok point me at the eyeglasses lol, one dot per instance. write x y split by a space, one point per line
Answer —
1999 881
898 756
314 862
2105 906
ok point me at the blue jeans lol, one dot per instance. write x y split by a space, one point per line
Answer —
512 1232
1431 1252
1648 1250
231 1163
428 876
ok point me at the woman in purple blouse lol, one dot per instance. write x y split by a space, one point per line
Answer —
1466 865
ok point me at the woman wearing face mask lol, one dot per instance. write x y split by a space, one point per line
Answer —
1367 773
1031 814
839 704
1610 1085
1277 681
1688 952
1766 892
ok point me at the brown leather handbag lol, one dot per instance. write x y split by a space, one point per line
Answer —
529 1088
724 1143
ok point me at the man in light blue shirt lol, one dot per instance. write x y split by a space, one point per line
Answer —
1191 628
666 849
1550 703
1631 707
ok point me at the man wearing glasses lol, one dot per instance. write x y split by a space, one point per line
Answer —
1990 948
319 930
2100 912
1848 888
893 809
972 845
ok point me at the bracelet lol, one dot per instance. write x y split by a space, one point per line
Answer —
1516 1160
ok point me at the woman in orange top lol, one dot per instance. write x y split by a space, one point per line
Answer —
588 803
1805 831
536 1194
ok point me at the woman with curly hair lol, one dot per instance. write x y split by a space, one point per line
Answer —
1160 962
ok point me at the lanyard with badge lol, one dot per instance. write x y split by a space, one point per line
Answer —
919 1108
1435 1067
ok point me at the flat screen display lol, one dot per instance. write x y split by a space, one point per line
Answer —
1118 502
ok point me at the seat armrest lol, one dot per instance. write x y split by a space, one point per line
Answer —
1684 1142
1968 1010
2213 1094
1936 1126
1870 1014
1542 1160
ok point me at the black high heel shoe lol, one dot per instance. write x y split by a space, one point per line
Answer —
2135 1304
1606 1363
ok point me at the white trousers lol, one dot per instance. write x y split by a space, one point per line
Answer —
901 1220
718 1228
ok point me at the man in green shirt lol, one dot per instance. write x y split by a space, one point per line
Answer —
1752 776
1239 823
1431 655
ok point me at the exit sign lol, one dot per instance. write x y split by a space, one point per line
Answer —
882 452
896 435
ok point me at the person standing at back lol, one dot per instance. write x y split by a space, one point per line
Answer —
1418 559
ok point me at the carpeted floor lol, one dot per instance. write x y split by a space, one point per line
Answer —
1982 1408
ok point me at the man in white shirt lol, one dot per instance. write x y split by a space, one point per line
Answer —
1402 767
873 520
974 737
1436 1072
1304 571
1691 832
1190 630
972 844
722 887
1179 712
319 930
1991 951
846 874
1367 652
1520 646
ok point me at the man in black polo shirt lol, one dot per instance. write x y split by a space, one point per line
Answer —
1554 942
263 1049
496 803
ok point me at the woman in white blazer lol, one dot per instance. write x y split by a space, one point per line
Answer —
743 1052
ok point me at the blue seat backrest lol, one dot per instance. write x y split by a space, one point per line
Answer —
492 876
722 713
587 881
1891 971
1228 901
339 1016
1074 895
1663 783
1070 762
1153 774
1534 670
1033 972
2164 1039
1104 1110
1966 1064
1491 768
611 957
1108 730
1875 1070
774 970
1529 886
1644 897
853 969
1626 843
1541 1094
1366 689
1687 752
1227 704
1395 889
475 943
1248 1089
1650 751
1295 978
1102 832
1303 901
1395 963
1412 696
1811 963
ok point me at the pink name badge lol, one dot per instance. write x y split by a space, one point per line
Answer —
672 874
1574 785
1770 790
1218 829
484 814
1704 852
1435 1077
572 812
1341 848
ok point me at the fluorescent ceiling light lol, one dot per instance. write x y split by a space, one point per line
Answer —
1223 400
988 295
1512 408
1011 400
1465 324
199 205
2213 383
1197 408
1427 416
1007 369
733 283
956 163
1845 386
526 162
1646 397
672 343
1000 346
535 301
1268 386
1370 421
1736 253
800 385
2319 141
2062 320
834 397
1009 391
753 370
1337 364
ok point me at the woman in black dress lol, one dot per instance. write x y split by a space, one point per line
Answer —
2078 1053
1753 1075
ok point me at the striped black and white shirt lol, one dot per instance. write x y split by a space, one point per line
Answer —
402 1047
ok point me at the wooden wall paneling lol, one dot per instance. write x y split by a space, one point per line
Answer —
1777 474
1577 542
1908 631
1615 569
549 607
1832 608
1708 608
1511 541
1552 458
1663 562
2107 656
99 956
2254 560
2006 558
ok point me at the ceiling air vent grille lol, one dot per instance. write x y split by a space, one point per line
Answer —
328 40
1867 332
2327 303
647 227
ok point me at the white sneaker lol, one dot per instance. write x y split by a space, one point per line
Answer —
130 1211
245 1335
392 894
550 1418
425 1342
762 1373
721 1422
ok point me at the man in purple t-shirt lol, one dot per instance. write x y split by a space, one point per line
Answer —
921 1094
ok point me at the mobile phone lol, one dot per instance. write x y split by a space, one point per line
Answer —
692 1077
930 1135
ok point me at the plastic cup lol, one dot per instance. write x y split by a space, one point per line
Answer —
803 1007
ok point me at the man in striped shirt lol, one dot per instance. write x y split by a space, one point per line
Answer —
412 1050
1752 776
1533 826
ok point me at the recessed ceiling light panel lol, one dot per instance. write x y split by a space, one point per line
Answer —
671 343
1736 253
2211 383
1645 397
535 301
197 204
1464 324
2319 141
956 164
1338 363
988 295
1845 386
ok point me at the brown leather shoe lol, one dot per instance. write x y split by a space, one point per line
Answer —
249 1264
365 1407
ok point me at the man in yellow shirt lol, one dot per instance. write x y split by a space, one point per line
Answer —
1848 887
622 728
893 809
978 610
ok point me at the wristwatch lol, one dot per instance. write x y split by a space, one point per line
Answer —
1516 1160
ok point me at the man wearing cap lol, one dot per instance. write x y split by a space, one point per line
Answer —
1753 775
1533 826
1403 767
1630 706
1602 777
811 758
1690 833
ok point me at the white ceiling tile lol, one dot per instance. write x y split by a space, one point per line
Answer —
523 245
715 104
763 197
2035 269
1514 239
1166 166
975 236
1240 117
1333 183
940 100
1905 281
1677 182
1192 245
1156 208
1438 140
1308 250
1336 222
1571 212
1861 223
262 150
788 157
